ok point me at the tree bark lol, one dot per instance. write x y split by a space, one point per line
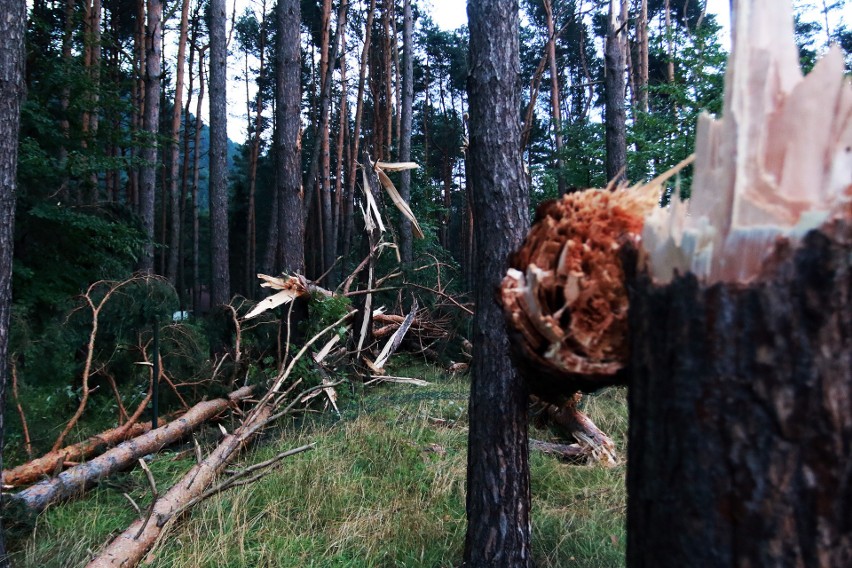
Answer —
642 39
220 278
174 192
616 119
12 28
47 464
150 128
77 479
498 491
739 415
556 111
405 235
291 224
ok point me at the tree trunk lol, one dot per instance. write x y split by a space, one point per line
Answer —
291 225
739 416
220 278
616 130
12 28
150 128
47 464
356 132
174 142
196 159
642 39
554 95
323 176
77 479
498 491
405 125
130 547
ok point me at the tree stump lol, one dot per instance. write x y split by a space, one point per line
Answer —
740 448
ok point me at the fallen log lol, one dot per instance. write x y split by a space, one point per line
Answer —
593 443
128 548
77 479
52 462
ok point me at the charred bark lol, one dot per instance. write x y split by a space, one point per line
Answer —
740 427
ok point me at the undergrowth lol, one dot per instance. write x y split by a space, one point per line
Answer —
384 487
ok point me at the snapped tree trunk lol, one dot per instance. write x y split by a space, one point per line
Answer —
77 479
12 28
741 325
498 490
740 426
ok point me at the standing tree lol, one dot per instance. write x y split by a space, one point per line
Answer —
291 234
220 285
615 54
405 125
498 490
150 126
11 93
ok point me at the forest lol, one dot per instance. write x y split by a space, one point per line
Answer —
217 317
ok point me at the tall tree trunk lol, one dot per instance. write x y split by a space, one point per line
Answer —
196 159
291 233
498 490
174 146
150 128
669 43
405 125
12 28
65 100
555 99
220 279
323 179
642 39
251 217
616 129
343 126
356 131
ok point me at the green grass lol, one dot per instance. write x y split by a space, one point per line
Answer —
384 488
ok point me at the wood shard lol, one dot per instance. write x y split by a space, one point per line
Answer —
564 296
775 166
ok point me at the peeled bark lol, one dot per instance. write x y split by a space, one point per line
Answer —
47 464
74 481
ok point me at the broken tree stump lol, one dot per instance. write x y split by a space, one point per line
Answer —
740 449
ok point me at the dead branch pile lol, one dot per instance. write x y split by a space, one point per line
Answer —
425 329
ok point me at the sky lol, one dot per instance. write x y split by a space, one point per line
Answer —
447 14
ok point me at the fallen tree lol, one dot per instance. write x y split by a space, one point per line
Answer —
53 462
741 318
77 479
131 546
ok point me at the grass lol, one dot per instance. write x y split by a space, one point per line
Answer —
385 487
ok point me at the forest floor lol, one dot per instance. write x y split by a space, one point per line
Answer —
384 487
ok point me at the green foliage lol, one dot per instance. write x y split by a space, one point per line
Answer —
59 250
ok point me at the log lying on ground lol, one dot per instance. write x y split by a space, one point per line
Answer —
128 548
74 481
740 422
52 462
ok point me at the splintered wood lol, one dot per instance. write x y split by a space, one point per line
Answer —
564 294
